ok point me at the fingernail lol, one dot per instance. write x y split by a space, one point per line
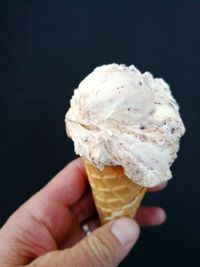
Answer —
125 230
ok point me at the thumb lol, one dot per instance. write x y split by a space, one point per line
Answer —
105 247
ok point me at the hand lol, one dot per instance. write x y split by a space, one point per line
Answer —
46 231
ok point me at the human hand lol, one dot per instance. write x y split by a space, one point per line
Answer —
46 231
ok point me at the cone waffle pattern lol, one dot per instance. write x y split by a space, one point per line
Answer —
114 193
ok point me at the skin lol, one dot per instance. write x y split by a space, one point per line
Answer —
50 221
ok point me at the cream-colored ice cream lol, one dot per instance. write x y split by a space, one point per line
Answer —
119 116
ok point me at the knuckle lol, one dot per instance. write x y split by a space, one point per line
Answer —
101 251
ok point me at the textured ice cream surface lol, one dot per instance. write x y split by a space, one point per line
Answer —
119 116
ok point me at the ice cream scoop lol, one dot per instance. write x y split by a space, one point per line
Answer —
122 117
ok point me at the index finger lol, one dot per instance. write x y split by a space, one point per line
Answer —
68 185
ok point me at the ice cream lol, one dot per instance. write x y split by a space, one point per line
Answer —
121 117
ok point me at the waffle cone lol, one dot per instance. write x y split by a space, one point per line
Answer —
115 195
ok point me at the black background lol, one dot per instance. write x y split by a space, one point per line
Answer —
46 48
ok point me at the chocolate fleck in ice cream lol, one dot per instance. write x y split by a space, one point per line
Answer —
124 123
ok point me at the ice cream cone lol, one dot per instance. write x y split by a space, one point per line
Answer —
115 195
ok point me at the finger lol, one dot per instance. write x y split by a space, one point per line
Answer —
73 235
40 224
93 224
68 185
107 246
84 207
77 233
90 225
150 216
157 188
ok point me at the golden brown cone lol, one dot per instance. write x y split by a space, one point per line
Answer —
115 195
